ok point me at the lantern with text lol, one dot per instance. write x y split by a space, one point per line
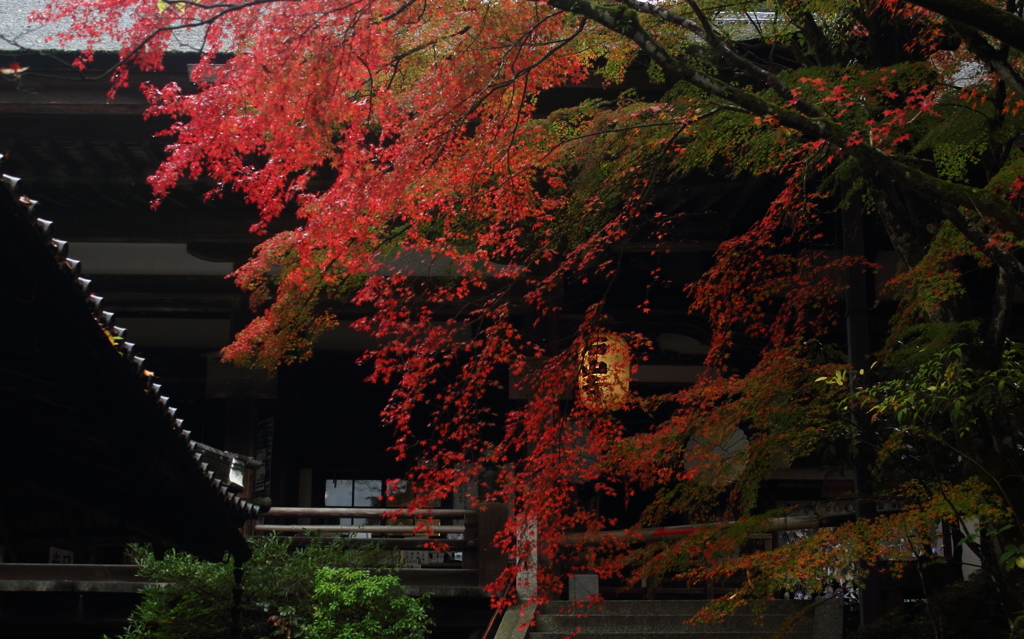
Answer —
604 373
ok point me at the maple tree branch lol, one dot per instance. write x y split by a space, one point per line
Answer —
624 22
420 47
709 31
523 42
680 123
492 88
982 16
667 16
804 20
223 10
719 108
397 12
949 197
717 44
970 228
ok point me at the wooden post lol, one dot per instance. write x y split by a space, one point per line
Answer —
305 491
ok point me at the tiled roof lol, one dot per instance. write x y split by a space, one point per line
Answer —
16 32
79 393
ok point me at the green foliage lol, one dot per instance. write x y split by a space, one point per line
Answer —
930 284
354 604
285 592
952 159
946 389
965 132
1012 557
1007 178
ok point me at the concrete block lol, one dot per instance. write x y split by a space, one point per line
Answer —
515 623
828 619
582 587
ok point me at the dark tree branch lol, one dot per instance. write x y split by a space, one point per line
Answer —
982 16
804 20
908 234
971 229
717 44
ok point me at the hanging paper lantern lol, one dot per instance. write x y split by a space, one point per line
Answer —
604 373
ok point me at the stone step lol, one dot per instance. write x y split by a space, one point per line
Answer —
633 623
654 607
667 619
670 607
695 634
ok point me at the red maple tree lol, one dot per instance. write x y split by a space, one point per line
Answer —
405 138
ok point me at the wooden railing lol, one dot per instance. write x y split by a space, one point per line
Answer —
380 514
478 527
390 530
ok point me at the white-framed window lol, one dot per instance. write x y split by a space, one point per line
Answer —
353 493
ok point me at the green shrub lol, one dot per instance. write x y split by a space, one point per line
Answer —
286 592
353 604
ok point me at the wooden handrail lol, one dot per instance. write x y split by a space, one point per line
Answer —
398 513
478 533
401 529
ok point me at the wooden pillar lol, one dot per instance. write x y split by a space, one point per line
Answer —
487 559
